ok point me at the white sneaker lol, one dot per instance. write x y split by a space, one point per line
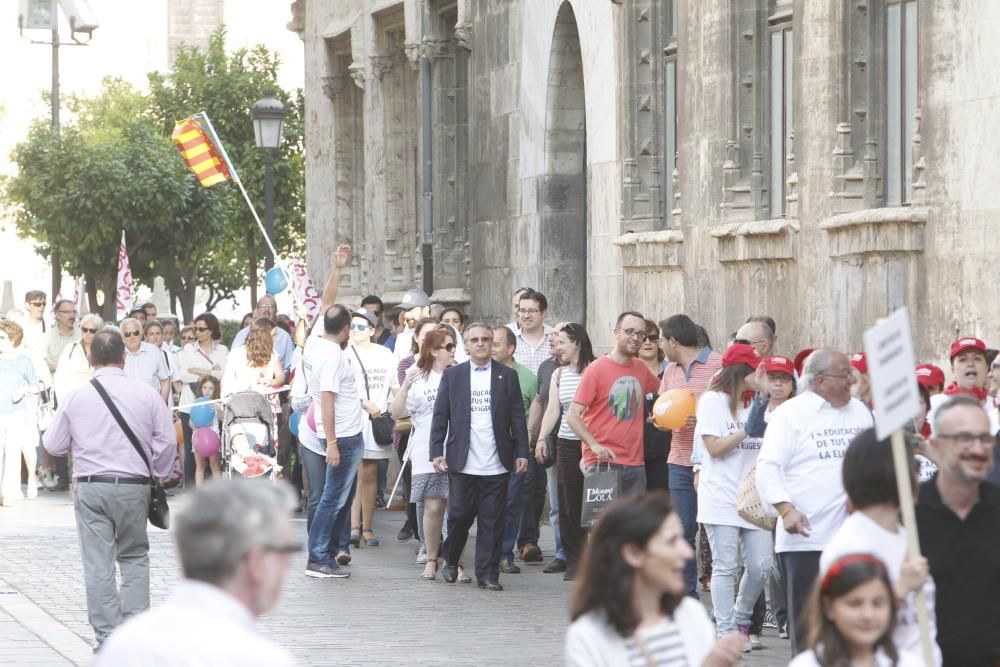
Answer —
422 555
32 487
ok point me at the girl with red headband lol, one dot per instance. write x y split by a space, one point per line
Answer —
852 613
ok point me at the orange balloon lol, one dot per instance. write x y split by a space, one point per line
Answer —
673 407
180 432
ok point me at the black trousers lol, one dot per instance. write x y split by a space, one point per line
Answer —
570 485
480 498
656 474
801 569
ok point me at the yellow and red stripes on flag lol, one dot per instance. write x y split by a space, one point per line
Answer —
198 151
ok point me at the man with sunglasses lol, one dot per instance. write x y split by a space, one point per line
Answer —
33 323
63 334
799 472
480 412
958 519
143 361
235 541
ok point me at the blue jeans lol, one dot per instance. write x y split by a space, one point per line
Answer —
685 501
315 466
552 477
333 515
515 506
758 559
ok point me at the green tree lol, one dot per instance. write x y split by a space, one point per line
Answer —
224 254
111 170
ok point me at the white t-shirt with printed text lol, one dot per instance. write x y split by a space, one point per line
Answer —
380 371
721 477
420 406
483 457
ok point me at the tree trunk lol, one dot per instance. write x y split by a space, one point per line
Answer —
91 289
186 296
56 274
252 267
109 285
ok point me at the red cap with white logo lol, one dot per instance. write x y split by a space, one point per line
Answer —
929 375
778 364
859 362
963 344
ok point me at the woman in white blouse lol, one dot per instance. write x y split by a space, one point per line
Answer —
416 398
204 357
74 367
629 608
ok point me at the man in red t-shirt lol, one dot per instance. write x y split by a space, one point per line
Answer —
607 410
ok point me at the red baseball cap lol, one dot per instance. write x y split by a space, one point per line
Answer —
778 364
859 362
929 375
800 359
966 344
740 353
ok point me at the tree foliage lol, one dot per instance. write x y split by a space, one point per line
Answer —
114 168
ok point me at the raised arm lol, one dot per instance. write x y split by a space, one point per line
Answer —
339 261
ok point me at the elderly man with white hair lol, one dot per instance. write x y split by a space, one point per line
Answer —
799 471
235 540
144 361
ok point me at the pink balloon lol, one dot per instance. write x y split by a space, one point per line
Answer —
311 416
205 441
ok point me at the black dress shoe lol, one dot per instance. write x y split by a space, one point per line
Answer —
556 566
449 573
569 576
507 567
490 585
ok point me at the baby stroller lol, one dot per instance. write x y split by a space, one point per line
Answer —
248 438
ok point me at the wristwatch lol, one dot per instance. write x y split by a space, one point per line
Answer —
696 468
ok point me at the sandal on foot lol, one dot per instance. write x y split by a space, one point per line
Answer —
355 540
430 577
370 541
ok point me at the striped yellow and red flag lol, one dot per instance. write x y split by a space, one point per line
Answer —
201 155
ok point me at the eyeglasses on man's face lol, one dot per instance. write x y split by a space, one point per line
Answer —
528 311
360 327
187 339
632 333
130 334
481 341
88 330
965 439
844 377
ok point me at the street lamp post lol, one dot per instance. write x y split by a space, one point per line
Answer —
268 119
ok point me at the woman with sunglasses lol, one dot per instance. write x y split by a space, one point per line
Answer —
74 367
576 353
416 398
373 369
205 356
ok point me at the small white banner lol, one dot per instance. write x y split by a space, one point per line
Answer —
889 349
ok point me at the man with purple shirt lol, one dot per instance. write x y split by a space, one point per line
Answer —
112 480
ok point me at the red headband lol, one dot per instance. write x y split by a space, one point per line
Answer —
838 567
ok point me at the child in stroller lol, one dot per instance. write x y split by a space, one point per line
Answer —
249 445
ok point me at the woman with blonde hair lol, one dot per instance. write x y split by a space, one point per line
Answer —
17 420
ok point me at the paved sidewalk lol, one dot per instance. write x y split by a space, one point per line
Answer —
382 615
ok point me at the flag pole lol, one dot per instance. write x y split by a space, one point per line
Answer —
202 117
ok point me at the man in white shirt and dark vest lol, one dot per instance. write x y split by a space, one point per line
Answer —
480 413
799 472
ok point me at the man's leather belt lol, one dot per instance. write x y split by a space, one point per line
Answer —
110 479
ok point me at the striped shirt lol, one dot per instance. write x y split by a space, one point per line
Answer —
529 356
658 646
568 380
695 379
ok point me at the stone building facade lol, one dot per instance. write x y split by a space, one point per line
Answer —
824 162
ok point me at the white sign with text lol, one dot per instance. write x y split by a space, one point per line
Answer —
889 349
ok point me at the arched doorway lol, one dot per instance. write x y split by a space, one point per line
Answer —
563 187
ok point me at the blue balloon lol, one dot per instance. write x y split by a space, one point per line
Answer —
293 423
202 415
275 281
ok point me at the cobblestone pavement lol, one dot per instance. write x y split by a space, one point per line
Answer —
382 615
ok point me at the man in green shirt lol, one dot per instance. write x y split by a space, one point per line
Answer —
504 344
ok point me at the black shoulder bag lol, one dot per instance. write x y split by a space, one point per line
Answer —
159 511
383 424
